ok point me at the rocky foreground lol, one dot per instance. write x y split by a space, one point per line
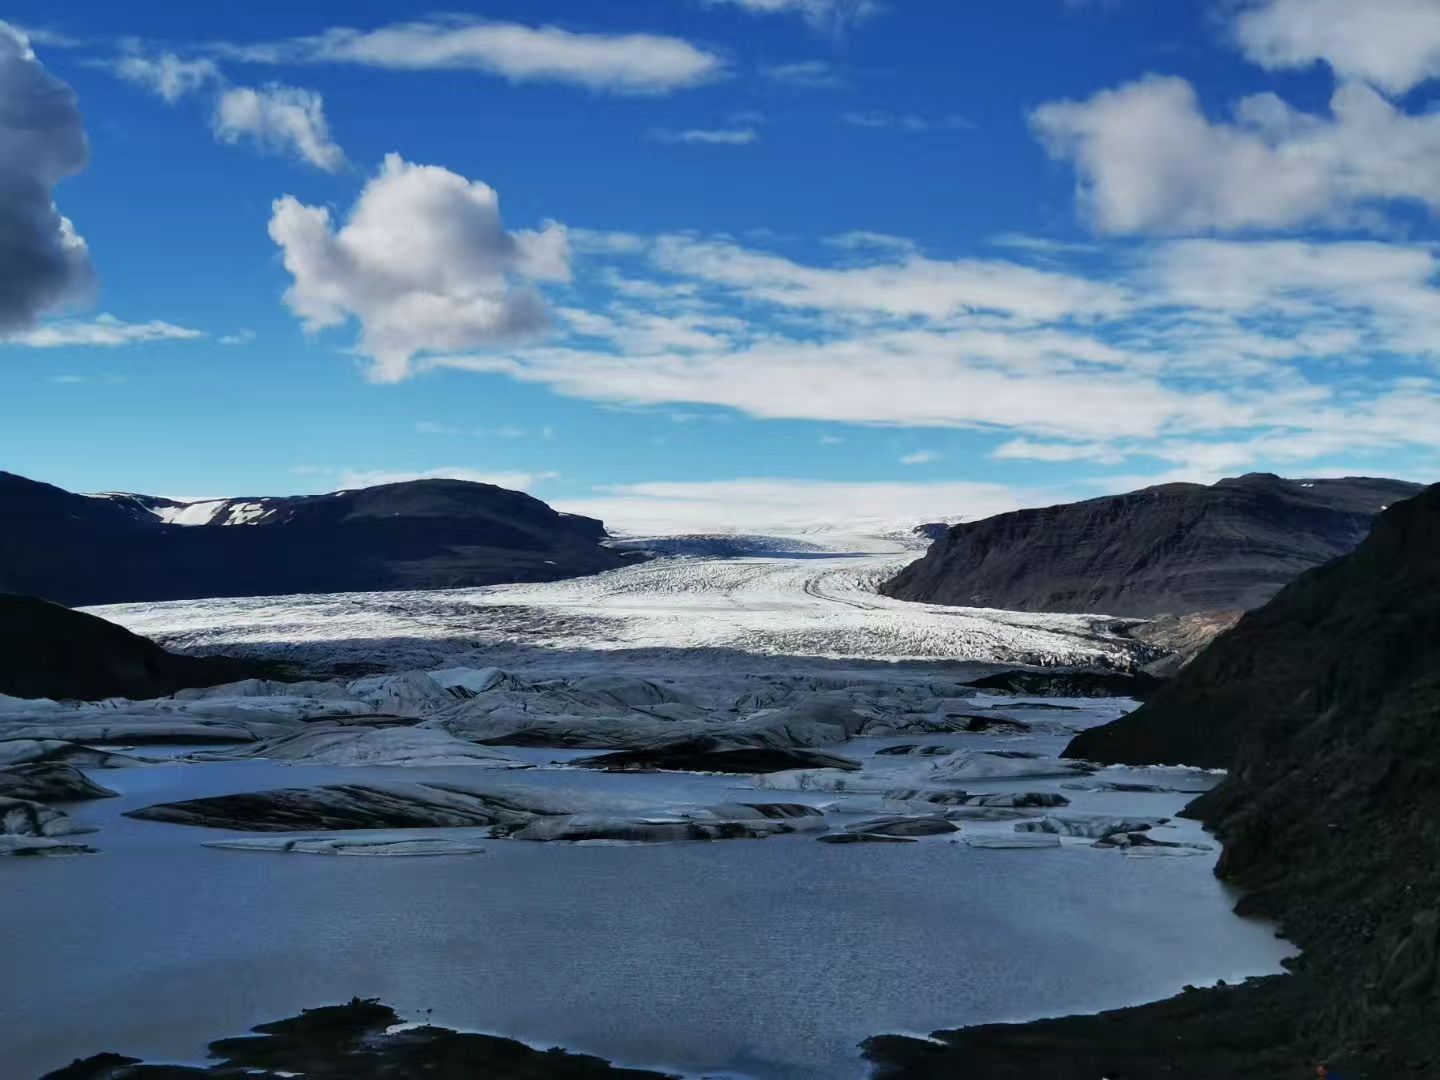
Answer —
354 1042
1325 704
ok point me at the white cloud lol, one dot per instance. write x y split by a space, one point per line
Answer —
912 122
1394 44
910 285
104 330
1352 297
919 457
284 120
241 337
830 15
280 119
1182 350
617 63
166 74
806 74
1148 159
708 136
423 263
905 378
637 331
44 263
779 505
350 479
1024 449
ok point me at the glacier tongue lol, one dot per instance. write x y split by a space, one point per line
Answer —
802 603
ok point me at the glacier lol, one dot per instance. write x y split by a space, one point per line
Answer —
515 883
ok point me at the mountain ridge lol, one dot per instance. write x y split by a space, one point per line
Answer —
115 548
1171 549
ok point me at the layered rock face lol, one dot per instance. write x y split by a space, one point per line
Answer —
1325 706
83 549
48 651
1173 549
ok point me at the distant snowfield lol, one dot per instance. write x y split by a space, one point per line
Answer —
819 600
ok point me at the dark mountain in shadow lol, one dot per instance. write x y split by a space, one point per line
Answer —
1325 706
424 534
1173 549
49 651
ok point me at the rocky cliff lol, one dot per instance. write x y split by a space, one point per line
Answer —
1172 549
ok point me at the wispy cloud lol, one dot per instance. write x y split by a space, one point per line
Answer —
909 122
806 74
285 120
281 119
621 63
919 457
1218 349
740 136
101 331
831 16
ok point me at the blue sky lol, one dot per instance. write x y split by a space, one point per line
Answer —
707 263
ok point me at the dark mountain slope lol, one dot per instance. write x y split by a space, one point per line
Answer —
50 651
1326 705
1173 549
1341 637
80 549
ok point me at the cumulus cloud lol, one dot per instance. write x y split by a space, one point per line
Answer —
43 261
830 15
780 505
167 75
104 330
742 136
1394 44
1149 160
423 263
280 119
616 63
